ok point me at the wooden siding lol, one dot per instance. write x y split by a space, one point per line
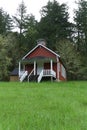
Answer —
14 78
41 52
46 65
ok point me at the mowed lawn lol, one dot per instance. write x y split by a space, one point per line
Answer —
43 106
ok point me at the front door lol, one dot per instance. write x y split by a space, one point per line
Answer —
39 68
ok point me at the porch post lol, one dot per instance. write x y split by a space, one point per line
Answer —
19 68
34 67
51 66
58 68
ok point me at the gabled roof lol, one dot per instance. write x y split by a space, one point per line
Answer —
14 72
43 47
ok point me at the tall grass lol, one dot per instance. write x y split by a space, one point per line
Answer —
43 106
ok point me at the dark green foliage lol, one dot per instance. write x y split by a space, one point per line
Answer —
26 25
20 17
5 22
54 23
71 59
81 33
5 61
12 48
20 24
31 33
81 26
9 55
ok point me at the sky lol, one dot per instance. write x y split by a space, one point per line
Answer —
33 6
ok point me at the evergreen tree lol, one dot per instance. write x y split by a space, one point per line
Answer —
6 23
54 23
20 18
81 26
81 33
31 33
20 25
9 55
5 61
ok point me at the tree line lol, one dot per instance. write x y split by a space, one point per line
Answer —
19 33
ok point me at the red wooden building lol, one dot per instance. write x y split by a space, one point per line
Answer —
41 63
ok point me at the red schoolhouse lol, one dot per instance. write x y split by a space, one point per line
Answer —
41 63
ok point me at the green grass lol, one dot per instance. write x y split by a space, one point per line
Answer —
43 106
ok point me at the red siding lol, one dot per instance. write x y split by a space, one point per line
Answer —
40 51
46 65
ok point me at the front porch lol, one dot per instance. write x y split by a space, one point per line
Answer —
35 69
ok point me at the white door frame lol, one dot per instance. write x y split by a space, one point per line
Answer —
40 67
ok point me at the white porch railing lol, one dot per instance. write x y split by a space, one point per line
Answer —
45 73
23 74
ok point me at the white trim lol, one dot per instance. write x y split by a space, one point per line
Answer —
34 67
58 64
43 47
51 65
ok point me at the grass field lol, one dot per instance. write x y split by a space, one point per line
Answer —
43 106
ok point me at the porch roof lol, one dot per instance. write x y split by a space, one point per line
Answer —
38 59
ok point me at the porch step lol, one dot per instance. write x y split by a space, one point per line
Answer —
33 78
25 80
47 78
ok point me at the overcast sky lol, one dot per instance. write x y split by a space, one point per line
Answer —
33 6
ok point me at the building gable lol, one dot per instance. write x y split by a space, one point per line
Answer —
41 51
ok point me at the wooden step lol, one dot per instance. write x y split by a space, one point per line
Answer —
33 78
